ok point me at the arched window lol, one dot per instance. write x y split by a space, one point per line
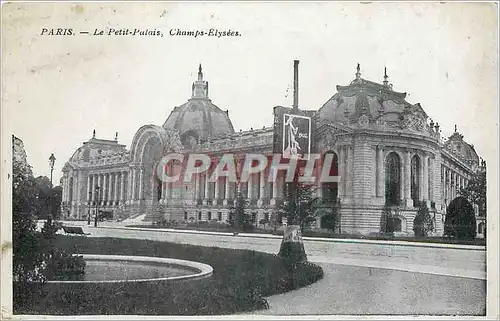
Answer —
415 179
392 179
330 189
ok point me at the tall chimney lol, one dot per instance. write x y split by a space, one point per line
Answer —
295 84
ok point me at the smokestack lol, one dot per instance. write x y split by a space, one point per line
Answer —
295 84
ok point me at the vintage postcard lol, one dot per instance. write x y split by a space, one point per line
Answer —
250 160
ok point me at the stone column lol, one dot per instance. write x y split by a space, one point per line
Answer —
227 192
455 186
432 171
407 181
216 190
448 186
207 185
92 188
141 183
262 188
425 181
250 187
319 183
380 173
115 198
133 184
374 169
110 189
349 170
88 188
341 172
104 188
276 190
452 185
198 185
122 185
402 181
421 179
164 186
102 184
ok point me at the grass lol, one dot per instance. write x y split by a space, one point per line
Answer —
241 280
204 226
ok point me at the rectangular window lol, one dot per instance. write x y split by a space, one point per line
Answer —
219 216
209 216
185 215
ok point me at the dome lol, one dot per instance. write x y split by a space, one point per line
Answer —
199 118
461 148
379 102
96 148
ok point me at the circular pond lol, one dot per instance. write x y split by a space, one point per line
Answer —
118 268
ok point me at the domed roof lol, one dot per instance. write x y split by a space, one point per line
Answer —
96 148
363 97
461 148
199 117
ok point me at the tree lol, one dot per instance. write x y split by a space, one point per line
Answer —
422 224
460 221
298 205
49 198
35 260
475 192
238 218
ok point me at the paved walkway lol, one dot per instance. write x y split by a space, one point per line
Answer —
360 277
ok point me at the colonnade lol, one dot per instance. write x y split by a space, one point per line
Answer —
111 187
451 181
425 182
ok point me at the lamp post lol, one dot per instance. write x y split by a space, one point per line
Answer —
52 161
97 188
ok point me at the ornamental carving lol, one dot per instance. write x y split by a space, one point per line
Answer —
363 121
413 122
173 142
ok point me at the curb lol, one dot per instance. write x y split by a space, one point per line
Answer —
306 238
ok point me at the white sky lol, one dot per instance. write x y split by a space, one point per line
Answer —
56 90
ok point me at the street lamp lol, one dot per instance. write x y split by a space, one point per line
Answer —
97 188
52 161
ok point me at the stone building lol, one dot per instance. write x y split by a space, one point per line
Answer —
385 149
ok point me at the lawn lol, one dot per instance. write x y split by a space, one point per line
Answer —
241 280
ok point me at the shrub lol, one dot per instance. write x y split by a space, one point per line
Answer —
460 219
422 224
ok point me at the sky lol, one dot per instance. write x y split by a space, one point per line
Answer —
57 89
